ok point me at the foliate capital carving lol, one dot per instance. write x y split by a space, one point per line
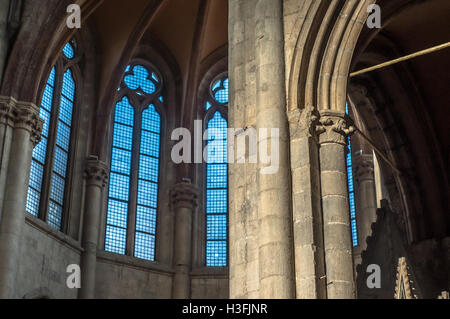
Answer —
303 122
96 173
185 195
334 127
23 115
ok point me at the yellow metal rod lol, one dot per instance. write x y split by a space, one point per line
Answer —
405 58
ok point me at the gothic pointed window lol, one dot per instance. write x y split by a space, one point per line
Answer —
351 189
50 167
135 162
217 174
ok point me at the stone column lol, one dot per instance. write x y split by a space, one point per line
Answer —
184 200
276 260
366 196
333 130
307 210
26 135
96 175
7 105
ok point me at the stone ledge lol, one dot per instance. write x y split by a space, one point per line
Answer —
51 232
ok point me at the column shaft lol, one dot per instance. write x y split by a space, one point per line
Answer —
333 131
184 197
96 178
276 260
307 210
26 133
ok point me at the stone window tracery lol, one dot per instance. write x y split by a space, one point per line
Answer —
135 164
51 163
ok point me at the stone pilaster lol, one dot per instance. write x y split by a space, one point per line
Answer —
307 211
184 198
26 134
96 175
366 197
333 129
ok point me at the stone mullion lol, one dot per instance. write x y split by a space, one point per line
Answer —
333 130
27 132
134 180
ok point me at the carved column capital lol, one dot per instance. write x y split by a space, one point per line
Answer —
363 167
23 115
96 173
334 127
184 194
304 122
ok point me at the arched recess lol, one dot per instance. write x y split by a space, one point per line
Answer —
42 36
152 52
212 67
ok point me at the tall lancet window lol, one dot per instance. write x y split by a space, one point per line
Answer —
351 189
135 154
50 173
217 174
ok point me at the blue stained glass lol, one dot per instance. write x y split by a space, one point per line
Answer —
60 162
208 106
123 137
149 168
40 151
33 200
144 246
54 215
148 194
216 190
150 144
119 187
46 116
139 79
68 87
119 181
36 174
221 95
124 112
68 51
117 213
217 176
47 98
65 111
151 120
116 239
51 77
146 220
216 227
57 189
121 161
216 253
351 189
63 136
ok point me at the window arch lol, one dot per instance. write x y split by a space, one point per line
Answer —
135 164
51 161
216 192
